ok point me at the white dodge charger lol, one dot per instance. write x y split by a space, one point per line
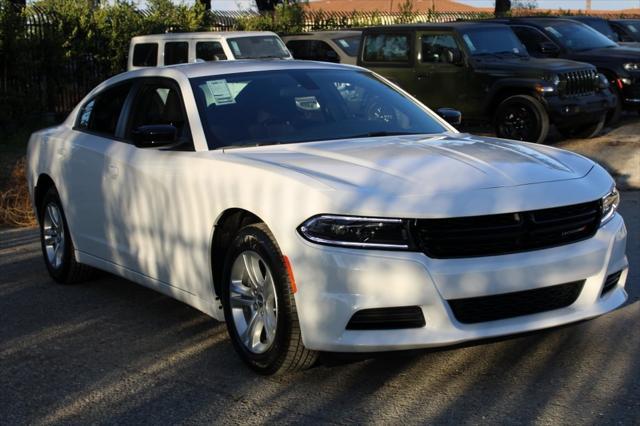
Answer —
317 207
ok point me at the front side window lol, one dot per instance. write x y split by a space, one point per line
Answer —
438 48
386 48
492 41
258 47
291 106
532 38
159 104
210 51
176 52
145 55
577 37
101 114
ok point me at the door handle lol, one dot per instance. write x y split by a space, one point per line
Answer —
421 75
113 171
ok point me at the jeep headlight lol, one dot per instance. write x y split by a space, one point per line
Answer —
610 204
356 232
632 66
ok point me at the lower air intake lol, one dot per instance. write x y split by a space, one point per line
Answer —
510 305
610 283
387 318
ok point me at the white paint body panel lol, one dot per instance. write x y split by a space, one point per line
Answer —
149 215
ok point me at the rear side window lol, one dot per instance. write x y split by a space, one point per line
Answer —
101 114
386 48
176 52
145 55
210 51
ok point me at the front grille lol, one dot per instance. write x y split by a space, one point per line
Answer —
506 233
576 83
387 318
610 283
510 305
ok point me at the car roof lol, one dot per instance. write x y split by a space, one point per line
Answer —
531 19
229 67
435 26
199 35
325 33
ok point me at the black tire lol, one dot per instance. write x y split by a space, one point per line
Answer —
287 352
68 271
585 131
523 118
614 114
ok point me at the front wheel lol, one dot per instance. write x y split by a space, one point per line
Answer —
522 118
259 307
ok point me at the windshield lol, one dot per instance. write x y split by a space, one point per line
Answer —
603 27
481 41
349 44
577 37
289 106
258 47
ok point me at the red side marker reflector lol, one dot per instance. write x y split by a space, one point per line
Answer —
292 280
620 83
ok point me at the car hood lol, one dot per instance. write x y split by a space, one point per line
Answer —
627 54
420 164
530 66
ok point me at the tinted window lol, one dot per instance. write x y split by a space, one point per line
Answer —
101 114
176 52
288 106
438 48
386 48
145 55
492 41
349 44
210 51
314 50
258 47
531 38
602 27
577 37
159 104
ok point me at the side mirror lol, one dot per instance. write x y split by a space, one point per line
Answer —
451 116
454 56
549 48
154 135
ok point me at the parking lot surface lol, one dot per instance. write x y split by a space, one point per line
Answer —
109 351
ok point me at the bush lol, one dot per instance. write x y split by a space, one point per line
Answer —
15 204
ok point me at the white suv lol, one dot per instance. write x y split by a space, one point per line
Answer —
179 48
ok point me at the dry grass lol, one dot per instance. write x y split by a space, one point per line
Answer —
15 205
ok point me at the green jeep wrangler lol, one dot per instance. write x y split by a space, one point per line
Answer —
485 72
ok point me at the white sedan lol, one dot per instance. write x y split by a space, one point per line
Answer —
317 207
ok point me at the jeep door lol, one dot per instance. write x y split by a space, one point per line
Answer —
442 78
390 54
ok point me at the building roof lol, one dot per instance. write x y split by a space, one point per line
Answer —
391 6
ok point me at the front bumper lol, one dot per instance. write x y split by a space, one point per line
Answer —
574 110
631 93
335 283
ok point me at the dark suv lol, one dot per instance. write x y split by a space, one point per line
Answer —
628 30
564 38
484 71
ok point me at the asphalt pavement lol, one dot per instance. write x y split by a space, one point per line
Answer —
112 352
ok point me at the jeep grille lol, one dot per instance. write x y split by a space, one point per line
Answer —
576 83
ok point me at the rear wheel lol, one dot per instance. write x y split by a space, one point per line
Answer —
586 131
57 247
523 118
259 306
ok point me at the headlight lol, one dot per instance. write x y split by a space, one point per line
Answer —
603 82
632 66
352 231
610 204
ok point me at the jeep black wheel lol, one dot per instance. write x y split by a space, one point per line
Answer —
585 131
522 118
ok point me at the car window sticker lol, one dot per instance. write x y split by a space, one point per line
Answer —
467 40
554 31
220 92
